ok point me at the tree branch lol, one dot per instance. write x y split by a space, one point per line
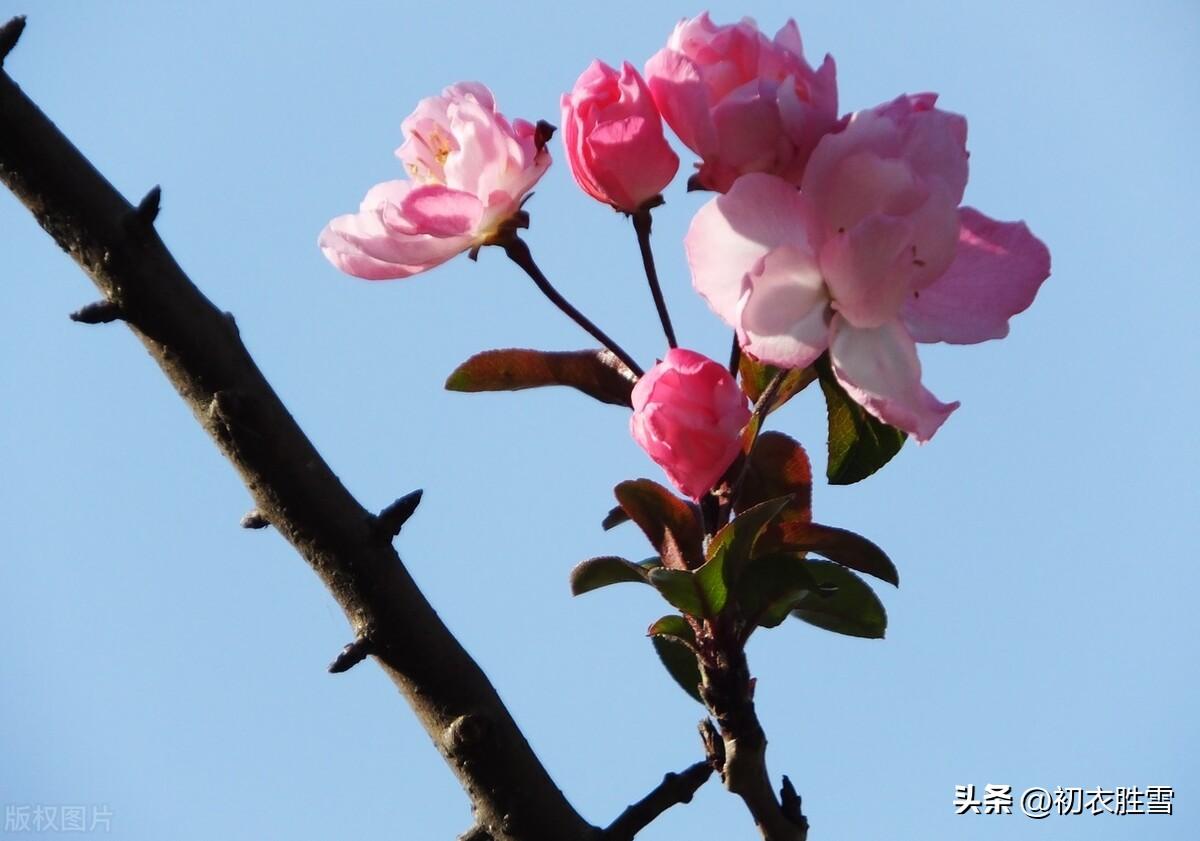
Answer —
674 788
728 691
198 348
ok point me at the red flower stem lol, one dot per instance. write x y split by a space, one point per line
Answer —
641 225
518 252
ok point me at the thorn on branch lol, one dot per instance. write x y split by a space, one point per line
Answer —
10 33
790 804
255 520
352 655
147 209
99 312
393 518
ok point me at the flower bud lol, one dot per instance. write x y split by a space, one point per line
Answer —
688 415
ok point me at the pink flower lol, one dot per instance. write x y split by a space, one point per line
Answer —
870 256
614 137
741 102
688 415
469 171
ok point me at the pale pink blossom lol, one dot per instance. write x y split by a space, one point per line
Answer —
614 140
871 255
469 170
688 415
742 102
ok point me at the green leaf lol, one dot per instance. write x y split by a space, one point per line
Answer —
673 625
844 547
850 607
670 524
772 585
674 646
756 376
597 373
599 572
736 540
700 593
858 443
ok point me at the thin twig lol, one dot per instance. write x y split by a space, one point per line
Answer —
735 356
674 789
641 224
518 251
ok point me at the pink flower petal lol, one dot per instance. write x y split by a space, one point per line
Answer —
682 99
879 369
784 313
441 212
362 241
865 269
996 274
731 234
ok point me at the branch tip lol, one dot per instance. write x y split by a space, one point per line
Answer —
10 33
255 520
675 788
352 655
99 312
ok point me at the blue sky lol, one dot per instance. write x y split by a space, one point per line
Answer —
157 659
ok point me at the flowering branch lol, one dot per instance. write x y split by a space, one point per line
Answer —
518 251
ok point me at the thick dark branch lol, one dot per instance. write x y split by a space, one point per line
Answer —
674 789
293 488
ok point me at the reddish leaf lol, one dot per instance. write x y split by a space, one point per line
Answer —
597 373
778 467
843 547
668 522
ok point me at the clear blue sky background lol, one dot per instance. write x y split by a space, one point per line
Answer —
158 659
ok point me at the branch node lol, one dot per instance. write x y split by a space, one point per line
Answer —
99 312
465 735
147 209
10 33
393 518
255 520
352 655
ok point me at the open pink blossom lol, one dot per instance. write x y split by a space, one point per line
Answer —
614 137
870 256
469 170
740 101
688 415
